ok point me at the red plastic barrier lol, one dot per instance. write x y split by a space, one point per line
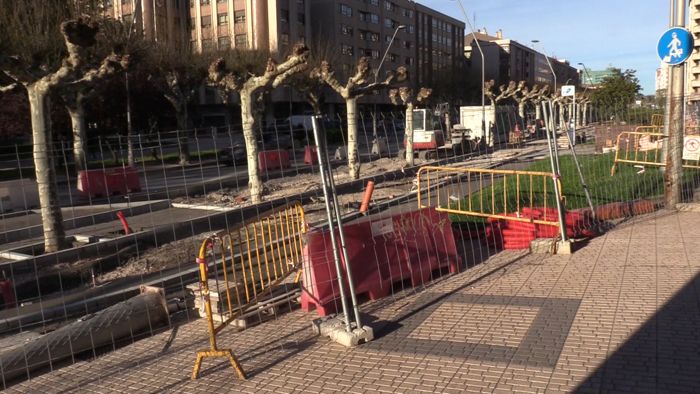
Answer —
273 159
518 235
7 294
406 246
92 183
310 155
100 183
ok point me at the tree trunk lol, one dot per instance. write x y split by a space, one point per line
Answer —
182 117
77 118
538 111
255 186
51 218
491 127
584 115
448 125
521 109
409 134
353 150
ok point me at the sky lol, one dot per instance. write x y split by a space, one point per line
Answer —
597 33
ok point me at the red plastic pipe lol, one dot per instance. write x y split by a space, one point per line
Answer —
367 197
125 224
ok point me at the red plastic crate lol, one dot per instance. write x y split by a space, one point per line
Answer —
273 159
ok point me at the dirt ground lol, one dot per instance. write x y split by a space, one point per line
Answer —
183 251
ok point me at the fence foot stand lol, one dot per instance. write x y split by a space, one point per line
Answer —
334 327
565 247
217 353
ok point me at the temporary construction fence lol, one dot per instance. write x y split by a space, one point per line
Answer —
645 147
241 269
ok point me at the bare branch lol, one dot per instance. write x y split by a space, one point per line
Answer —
327 75
280 79
8 88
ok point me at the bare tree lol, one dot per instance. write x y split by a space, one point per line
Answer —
41 65
504 93
248 86
526 95
537 100
178 73
357 86
408 98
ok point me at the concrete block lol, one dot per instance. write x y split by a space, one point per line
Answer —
380 146
565 247
542 245
334 327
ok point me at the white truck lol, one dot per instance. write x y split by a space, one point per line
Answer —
498 124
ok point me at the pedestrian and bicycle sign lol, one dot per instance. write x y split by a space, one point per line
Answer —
675 46
568 90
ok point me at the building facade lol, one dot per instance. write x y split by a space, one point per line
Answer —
508 60
272 25
427 42
158 20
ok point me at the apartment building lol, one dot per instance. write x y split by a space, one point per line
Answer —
508 60
274 25
427 42
158 20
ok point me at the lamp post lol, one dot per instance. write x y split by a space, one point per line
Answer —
483 72
376 76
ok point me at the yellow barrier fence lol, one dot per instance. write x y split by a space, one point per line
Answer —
488 193
644 147
250 262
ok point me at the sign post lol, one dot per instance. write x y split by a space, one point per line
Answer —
675 47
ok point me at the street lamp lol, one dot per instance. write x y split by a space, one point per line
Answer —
554 75
376 76
376 72
483 72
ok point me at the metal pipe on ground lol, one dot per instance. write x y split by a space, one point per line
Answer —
141 313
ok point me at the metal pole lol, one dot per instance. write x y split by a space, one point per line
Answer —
586 191
669 89
674 158
328 193
556 175
483 73
325 180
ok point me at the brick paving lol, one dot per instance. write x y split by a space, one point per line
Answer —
620 315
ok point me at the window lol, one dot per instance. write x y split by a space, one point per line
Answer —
393 57
241 41
374 18
373 53
222 19
388 22
346 10
284 15
387 38
435 37
346 50
224 42
346 30
369 36
204 2
407 13
410 29
301 18
284 39
207 45
407 44
389 6
449 28
239 16
372 2
409 61
206 21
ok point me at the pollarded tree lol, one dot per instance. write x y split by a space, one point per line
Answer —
357 86
178 74
32 55
526 95
537 100
504 93
410 100
249 86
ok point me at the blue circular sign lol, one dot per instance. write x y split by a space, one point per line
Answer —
675 46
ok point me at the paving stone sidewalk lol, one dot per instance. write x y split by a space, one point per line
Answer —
620 315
